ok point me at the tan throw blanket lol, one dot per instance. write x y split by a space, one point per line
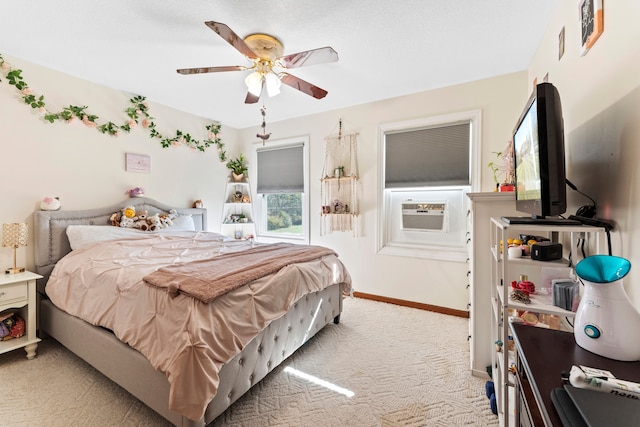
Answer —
207 279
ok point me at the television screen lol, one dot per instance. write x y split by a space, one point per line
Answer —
526 151
538 146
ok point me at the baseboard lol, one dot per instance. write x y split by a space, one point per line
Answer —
412 304
480 374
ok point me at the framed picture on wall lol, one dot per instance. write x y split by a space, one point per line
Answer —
591 23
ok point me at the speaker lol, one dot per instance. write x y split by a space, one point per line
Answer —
546 251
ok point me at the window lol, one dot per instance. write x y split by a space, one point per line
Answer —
282 208
427 167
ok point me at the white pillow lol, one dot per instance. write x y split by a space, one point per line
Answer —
181 223
80 235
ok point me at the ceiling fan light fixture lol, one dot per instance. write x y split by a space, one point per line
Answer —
273 84
254 83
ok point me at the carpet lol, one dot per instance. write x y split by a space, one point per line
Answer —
383 365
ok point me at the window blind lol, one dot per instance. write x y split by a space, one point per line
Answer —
437 156
280 170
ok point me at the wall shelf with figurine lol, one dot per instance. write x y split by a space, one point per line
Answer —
237 212
339 184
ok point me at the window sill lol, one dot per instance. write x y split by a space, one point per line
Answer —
426 252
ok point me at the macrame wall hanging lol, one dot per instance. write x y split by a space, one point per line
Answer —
339 183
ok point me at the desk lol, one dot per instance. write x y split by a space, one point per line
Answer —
542 354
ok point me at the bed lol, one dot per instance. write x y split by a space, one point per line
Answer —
264 339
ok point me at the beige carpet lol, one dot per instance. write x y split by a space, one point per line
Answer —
405 367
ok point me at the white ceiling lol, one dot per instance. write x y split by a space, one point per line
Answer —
386 48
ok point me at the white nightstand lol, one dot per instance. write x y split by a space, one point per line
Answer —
18 292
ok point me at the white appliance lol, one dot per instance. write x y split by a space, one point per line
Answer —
425 216
606 321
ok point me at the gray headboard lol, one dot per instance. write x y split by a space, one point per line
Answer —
51 242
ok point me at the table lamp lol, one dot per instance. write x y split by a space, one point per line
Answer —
14 235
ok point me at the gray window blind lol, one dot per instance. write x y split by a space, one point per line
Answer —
281 170
437 156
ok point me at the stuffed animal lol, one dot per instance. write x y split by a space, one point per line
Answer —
114 219
126 222
128 217
50 204
154 222
129 212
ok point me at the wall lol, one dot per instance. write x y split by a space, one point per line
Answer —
419 280
84 167
600 95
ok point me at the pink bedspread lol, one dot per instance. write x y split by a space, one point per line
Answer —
187 339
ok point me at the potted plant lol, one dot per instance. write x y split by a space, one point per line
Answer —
504 171
238 168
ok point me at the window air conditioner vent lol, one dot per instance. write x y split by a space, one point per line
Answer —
424 216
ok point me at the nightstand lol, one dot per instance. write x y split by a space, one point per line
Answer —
18 292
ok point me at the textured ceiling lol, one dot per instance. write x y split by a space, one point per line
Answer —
386 48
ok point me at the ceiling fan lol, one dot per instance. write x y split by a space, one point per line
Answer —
265 52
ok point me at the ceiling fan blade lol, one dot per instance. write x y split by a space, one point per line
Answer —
232 38
251 98
303 86
310 57
202 70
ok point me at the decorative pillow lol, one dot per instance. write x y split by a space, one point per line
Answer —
80 235
181 223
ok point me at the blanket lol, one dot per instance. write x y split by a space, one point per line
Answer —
186 339
210 278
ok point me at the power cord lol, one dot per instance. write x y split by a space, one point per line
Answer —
587 211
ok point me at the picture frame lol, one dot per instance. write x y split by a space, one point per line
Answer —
591 23
561 44
140 163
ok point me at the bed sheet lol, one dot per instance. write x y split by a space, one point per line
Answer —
181 336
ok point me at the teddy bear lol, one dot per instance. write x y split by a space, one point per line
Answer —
114 219
154 222
166 219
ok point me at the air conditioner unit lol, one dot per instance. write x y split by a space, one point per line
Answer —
425 216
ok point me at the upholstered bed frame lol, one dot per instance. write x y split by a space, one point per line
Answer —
129 368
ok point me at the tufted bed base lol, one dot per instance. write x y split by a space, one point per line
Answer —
133 372
130 369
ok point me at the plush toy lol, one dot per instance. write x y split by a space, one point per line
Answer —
154 222
114 219
142 214
50 204
128 217
126 222
129 212
167 219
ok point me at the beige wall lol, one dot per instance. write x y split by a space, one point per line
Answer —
601 104
426 281
86 168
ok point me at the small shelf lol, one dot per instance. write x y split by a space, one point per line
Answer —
505 269
237 209
334 179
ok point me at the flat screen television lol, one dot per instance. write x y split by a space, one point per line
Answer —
539 163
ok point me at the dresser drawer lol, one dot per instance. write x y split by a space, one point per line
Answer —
13 293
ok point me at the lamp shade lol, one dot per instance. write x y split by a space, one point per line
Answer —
15 234
273 84
254 83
